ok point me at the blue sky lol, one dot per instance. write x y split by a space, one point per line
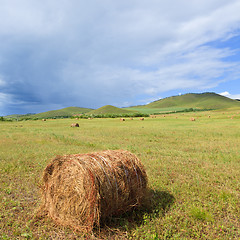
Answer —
56 54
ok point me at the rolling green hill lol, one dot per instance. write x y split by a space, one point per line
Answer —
199 101
109 109
195 100
17 116
147 110
65 112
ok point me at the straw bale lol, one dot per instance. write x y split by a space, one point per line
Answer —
81 190
74 125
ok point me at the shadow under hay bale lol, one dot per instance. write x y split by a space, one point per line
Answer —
80 190
156 204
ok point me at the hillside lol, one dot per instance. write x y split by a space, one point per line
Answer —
109 109
170 104
195 100
65 112
17 116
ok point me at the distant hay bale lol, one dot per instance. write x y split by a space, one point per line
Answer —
74 125
80 190
122 119
192 119
44 120
142 119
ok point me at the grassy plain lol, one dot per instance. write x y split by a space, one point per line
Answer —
146 110
193 169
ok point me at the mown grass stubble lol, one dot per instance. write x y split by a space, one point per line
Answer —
193 170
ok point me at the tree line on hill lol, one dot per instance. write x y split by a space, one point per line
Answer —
106 115
186 110
2 119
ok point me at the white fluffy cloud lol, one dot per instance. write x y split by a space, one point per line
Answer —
92 53
229 95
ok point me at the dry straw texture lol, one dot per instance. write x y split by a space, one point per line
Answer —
82 189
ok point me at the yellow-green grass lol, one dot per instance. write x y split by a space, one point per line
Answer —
193 169
109 109
146 110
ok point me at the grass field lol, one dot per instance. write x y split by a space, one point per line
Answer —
193 169
155 110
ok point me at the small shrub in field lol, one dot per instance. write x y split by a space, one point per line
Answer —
201 214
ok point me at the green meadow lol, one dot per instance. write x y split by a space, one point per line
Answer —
193 172
147 110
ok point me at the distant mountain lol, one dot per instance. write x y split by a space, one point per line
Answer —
206 100
64 112
109 109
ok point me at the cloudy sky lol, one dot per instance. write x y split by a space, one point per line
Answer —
61 53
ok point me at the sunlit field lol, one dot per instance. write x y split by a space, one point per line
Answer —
156 110
193 171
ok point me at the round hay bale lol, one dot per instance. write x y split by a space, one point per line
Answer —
80 190
74 125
